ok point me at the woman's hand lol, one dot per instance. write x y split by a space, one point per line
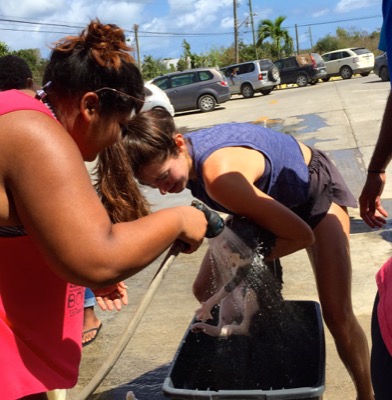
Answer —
113 296
194 224
372 212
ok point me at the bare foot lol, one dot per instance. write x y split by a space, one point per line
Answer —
91 326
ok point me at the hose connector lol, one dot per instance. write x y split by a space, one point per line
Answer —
215 221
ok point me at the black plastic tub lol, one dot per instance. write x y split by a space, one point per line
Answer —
284 361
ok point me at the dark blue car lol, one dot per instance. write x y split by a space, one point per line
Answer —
381 67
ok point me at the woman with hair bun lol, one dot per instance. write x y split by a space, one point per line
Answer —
55 234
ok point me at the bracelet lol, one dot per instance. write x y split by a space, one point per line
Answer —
372 171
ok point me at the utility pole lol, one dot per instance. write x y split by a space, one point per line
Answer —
253 29
310 37
296 38
236 56
136 28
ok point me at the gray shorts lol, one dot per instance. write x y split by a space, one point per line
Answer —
326 186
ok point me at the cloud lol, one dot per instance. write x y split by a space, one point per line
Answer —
202 14
320 13
193 16
31 8
71 15
227 23
344 6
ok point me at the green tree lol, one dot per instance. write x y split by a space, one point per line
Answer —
182 64
327 43
149 68
351 37
31 56
194 59
246 52
152 67
36 63
273 30
220 56
4 49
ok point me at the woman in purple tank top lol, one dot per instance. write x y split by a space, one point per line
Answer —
288 189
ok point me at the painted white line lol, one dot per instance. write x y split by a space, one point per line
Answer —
371 90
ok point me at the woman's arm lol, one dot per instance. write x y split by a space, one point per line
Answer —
372 211
230 174
50 193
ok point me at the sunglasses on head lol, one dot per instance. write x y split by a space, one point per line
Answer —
126 98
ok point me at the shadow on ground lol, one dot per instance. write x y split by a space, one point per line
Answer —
147 386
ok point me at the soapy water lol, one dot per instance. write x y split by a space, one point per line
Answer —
281 336
227 251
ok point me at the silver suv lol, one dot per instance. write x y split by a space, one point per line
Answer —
252 76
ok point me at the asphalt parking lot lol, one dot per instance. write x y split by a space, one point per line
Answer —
340 117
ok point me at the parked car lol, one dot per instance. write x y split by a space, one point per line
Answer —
156 98
347 62
252 76
200 88
381 67
301 69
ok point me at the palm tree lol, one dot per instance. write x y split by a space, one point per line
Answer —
273 30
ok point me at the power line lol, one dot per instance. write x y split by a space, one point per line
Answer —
145 34
336 21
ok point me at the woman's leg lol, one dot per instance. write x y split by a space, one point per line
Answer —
381 361
330 257
91 323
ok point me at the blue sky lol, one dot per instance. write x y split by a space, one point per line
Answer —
163 24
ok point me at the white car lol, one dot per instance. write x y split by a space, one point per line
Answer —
347 62
156 98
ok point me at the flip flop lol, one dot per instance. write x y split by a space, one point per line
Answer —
93 338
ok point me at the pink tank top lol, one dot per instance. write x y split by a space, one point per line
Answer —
41 315
384 284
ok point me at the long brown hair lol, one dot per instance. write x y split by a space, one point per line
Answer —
117 187
148 137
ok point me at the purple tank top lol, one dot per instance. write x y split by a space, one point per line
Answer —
286 177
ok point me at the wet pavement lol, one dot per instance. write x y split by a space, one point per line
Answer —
341 118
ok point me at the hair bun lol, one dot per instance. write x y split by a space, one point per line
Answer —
106 43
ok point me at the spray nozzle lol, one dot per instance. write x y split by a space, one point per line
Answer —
215 222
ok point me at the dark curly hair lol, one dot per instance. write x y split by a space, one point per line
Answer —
97 58
15 73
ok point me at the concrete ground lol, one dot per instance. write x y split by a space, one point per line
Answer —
347 128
